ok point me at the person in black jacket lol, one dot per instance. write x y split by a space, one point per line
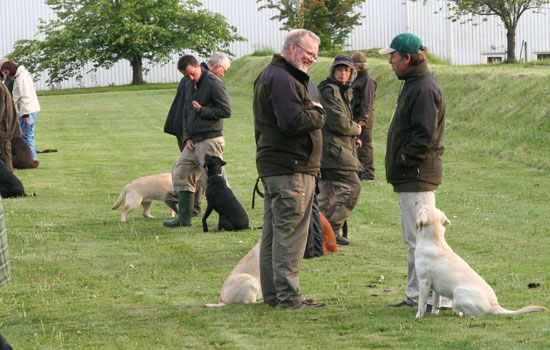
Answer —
218 64
415 143
206 104
287 125
364 92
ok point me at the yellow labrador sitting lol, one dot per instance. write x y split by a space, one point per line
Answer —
144 191
243 284
444 272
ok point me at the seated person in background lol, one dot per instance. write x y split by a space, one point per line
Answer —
21 155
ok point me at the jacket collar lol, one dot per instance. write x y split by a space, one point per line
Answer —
416 72
344 87
280 61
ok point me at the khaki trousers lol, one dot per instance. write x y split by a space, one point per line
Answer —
287 212
190 164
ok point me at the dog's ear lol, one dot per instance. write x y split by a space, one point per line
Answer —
443 218
421 220
223 163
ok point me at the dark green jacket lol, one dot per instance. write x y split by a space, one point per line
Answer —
416 134
339 151
287 124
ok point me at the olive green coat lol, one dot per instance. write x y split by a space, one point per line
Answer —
339 131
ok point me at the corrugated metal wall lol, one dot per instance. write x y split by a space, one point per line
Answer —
461 44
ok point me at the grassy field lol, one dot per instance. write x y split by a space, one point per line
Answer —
81 279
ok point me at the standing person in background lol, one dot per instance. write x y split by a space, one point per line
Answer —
218 64
206 104
7 81
339 186
364 92
25 100
9 126
287 127
415 145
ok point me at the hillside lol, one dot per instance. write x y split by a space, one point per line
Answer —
501 110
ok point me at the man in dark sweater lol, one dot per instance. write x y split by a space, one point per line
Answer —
206 104
287 124
414 164
218 64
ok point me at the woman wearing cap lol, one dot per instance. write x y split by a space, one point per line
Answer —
25 100
339 187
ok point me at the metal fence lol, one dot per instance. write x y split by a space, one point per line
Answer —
460 44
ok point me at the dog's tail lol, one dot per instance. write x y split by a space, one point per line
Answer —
532 308
120 199
221 303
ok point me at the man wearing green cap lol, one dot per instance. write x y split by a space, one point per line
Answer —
415 143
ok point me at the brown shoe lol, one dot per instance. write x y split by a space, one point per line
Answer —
307 304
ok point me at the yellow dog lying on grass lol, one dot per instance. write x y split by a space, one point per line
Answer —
441 270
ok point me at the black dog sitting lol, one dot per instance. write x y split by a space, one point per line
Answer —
4 344
10 186
221 199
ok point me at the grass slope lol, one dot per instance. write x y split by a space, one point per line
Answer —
84 280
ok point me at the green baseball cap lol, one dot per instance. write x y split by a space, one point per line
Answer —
404 42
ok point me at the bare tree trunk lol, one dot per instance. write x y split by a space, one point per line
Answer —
511 51
137 70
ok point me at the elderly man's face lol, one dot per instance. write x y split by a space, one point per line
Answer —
219 70
304 53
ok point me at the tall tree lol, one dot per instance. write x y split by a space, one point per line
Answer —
331 20
509 11
104 32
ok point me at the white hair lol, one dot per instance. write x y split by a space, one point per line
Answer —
296 35
219 58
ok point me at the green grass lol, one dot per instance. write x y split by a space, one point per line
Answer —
81 279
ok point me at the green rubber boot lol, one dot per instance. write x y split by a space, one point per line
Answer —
185 210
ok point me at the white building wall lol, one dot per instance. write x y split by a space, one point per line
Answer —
460 44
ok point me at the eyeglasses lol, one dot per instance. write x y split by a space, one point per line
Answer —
310 54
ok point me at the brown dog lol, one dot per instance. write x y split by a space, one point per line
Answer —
329 239
144 191
243 284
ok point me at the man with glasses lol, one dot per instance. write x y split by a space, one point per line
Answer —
287 125
205 106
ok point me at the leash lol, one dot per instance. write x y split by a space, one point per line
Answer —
256 190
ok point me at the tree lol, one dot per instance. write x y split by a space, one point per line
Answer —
331 20
509 11
104 32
